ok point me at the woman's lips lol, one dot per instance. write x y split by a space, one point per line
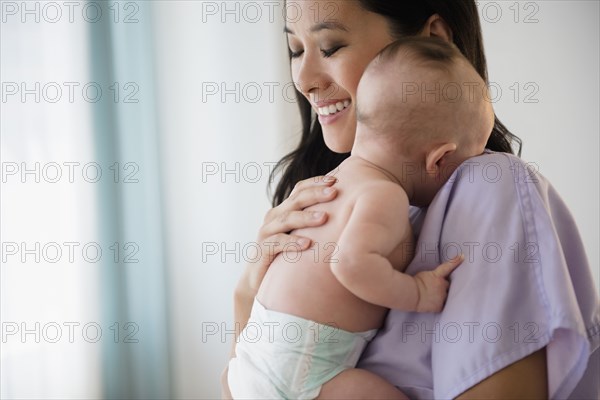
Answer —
339 109
329 108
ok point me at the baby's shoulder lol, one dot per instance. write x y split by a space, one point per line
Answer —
379 193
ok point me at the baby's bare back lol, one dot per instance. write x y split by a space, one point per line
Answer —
302 284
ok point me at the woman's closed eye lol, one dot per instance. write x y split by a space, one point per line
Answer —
331 51
295 54
325 52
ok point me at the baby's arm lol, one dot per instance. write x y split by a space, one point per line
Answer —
377 224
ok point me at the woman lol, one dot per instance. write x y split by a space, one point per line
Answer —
522 326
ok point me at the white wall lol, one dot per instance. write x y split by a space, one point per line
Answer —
202 133
559 54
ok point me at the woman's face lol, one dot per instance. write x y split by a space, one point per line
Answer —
331 44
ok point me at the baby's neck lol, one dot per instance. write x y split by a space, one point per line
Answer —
388 164
365 163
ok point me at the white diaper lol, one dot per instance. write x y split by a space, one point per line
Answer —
281 356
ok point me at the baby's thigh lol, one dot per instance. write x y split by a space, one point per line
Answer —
359 384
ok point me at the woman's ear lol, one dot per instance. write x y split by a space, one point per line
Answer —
435 158
437 26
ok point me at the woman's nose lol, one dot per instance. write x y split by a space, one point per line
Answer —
311 76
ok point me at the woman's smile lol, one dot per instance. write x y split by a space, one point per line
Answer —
330 110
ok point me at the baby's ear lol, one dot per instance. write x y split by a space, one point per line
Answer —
437 157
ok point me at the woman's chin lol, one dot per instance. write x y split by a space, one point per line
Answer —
338 143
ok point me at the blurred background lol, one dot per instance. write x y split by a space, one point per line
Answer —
137 138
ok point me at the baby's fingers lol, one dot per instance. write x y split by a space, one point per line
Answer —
446 268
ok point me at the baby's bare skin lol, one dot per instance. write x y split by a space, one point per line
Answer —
303 284
404 148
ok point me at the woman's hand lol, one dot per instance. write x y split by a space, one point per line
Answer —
274 236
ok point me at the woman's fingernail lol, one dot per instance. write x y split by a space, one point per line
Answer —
327 190
303 242
318 214
329 179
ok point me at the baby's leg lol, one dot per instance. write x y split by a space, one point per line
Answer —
359 384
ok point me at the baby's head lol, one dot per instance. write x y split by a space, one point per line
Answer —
422 110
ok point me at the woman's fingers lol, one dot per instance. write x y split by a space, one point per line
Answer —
323 180
281 242
291 220
310 196
268 250
273 237
312 188
289 215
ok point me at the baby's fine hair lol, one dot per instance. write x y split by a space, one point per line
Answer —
448 65
427 51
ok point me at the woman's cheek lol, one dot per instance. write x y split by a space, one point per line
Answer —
352 77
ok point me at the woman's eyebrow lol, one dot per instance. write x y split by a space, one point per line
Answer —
331 25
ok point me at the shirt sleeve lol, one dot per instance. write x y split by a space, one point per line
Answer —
525 283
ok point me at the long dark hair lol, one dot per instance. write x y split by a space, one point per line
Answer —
406 18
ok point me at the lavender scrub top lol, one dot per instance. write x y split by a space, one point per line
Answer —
525 284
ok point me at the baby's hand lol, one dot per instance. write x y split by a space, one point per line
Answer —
433 286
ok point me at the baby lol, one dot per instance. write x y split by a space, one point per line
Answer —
422 110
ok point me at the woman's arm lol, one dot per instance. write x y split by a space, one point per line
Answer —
225 393
524 379
272 240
